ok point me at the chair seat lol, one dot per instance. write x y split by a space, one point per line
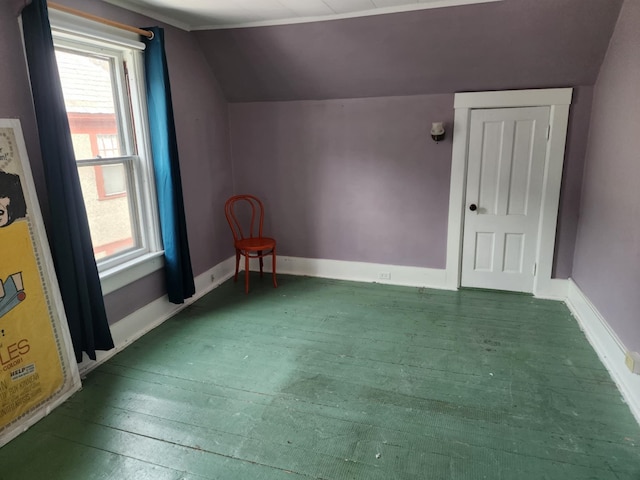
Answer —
255 244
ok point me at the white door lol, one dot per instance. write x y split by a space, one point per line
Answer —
507 151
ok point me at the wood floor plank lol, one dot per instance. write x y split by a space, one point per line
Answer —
336 380
140 395
402 345
48 455
482 391
395 353
281 427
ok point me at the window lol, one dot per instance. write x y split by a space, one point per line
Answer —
103 88
107 145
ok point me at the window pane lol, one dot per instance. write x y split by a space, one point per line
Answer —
114 180
110 219
89 90
108 146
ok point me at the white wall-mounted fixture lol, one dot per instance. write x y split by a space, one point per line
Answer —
437 131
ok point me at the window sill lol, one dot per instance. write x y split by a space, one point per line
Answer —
126 273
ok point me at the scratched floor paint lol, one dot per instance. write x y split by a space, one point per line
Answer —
324 379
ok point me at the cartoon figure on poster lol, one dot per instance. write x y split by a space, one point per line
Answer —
12 207
12 204
34 354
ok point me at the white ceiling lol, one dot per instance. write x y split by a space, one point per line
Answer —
212 14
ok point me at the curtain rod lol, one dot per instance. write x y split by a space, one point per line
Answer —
73 11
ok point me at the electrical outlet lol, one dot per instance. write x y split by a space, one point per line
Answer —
632 361
384 276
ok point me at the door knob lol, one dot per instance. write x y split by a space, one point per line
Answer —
473 207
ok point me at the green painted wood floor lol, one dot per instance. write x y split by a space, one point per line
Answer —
323 379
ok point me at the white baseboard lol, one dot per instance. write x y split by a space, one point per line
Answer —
145 319
607 345
358 271
554 289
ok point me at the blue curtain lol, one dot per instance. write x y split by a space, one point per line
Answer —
178 271
68 228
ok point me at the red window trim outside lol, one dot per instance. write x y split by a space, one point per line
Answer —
94 124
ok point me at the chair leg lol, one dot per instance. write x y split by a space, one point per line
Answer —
246 274
261 261
273 269
235 277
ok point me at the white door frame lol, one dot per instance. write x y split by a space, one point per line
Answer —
558 99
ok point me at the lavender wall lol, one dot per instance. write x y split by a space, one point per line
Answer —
338 156
607 255
503 45
578 131
320 163
356 179
202 132
492 46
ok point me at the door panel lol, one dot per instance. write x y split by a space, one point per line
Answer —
521 168
484 251
489 172
507 151
513 252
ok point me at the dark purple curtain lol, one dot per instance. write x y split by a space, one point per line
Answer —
68 229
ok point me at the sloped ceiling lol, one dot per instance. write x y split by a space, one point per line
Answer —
503 45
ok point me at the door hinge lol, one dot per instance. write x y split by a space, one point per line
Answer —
548 132
535 268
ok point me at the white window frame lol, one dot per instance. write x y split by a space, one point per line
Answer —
72 32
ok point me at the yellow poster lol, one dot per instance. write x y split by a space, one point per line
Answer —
36 368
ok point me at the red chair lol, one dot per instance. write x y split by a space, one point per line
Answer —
253 245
